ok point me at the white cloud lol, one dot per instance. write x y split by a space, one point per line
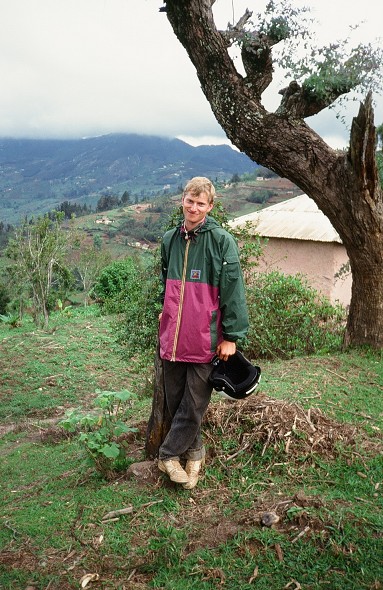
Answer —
71 68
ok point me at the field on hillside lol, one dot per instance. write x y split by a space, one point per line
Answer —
291 496
137 228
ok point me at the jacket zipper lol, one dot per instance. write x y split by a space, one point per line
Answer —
180 305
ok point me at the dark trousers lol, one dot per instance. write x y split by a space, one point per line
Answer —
188 394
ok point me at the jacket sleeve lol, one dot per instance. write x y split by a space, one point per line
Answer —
235 319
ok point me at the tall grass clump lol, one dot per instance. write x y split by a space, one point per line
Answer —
290 318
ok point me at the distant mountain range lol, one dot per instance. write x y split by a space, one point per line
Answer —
37 175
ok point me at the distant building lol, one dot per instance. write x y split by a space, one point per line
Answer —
105 220
302 240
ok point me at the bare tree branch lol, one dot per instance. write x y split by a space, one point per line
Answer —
362 148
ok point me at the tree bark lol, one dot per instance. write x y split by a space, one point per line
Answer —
159 421
344 185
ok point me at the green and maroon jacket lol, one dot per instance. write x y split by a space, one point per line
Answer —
204 293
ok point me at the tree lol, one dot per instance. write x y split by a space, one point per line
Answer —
344 185
107 202
38 251
125 198
87 261
235 179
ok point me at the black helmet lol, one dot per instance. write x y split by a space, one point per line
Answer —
235 378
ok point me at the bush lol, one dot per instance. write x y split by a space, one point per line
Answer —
119 284
289 318
138 329
259 196
132 289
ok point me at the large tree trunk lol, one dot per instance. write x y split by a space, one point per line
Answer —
344 185
364 323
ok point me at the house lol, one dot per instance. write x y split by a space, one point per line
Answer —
302 240
105 220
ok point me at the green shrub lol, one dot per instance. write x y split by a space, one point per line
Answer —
137 329
12 319
259 196
119 284
289 318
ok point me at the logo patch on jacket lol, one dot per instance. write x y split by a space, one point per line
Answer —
195 274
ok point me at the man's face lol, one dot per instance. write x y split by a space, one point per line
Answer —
195 208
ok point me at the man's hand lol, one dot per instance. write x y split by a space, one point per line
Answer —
226 349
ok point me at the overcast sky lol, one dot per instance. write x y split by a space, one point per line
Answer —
74 68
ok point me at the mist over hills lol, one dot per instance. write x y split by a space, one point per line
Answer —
36 175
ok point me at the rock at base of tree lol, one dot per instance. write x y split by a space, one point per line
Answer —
145 471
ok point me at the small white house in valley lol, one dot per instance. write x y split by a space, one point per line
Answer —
302 240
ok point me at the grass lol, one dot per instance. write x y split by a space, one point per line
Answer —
308 449
42 373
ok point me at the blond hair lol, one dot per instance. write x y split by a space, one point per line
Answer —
198 185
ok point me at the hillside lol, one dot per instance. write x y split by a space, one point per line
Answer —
141 225
37 175
291 495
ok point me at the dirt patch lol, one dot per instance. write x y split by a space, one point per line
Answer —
211 533
44 430
66 568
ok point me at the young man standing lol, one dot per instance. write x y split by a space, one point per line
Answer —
204 314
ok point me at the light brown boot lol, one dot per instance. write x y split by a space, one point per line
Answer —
192 469
174 471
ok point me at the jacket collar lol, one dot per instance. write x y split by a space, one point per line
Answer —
192 233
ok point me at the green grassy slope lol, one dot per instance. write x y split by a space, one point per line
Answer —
308 449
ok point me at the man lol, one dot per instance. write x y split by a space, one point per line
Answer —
204 314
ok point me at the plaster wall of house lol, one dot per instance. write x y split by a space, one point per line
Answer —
318 261
342 284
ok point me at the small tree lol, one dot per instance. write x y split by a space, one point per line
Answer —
87 261
38 252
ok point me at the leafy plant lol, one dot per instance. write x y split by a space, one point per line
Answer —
12 319
118 284
259 196
64 309
137 329
101 433
289 318
87 261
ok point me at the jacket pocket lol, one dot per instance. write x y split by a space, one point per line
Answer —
231 268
